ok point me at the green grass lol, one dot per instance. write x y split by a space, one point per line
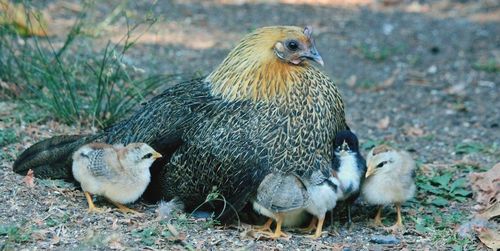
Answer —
490 66
438 205
74 84
474 147
375 54
7 136
15 233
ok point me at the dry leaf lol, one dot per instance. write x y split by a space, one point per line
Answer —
383 123
486 189
488 237
176 236
29 179
414 131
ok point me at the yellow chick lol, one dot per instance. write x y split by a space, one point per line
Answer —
390 179
121 174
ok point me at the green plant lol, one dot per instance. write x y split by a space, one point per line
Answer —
370 143
374 53
443 188
147 236
7 136
78 87
473 147
15 233
491 66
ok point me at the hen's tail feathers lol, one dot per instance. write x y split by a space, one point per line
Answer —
51 158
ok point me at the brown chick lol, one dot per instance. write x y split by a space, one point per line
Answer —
121 174
390 179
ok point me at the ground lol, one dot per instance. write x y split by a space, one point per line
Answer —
419 75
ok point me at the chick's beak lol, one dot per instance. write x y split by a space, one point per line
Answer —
157 155
371 170
313 55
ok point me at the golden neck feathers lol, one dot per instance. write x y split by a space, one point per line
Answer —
253 71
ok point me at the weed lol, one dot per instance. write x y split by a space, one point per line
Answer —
147 236
97 90
491 66
472 147
15 233
7 136
374 53
370 143
442 189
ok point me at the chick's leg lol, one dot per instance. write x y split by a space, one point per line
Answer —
123 208
378 217
278 233
399 221
92 207
266 228
311 226
319 229
349 219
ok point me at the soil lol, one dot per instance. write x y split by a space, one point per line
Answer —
416 74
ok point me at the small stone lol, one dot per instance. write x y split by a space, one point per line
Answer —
432 69
385 239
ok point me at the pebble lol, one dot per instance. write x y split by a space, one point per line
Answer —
384 239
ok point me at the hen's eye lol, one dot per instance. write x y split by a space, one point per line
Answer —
381 164
292 45
147 156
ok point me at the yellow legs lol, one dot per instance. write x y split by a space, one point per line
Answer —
92 207
266 228
123 208
399 221
378 218
311 227
316 223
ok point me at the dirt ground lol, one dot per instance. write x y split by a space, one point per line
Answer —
421 75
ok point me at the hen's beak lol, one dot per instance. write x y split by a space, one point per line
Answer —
313 55
157 155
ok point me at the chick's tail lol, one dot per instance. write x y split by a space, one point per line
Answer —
51 158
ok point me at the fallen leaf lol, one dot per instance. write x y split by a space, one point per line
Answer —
29 179
414 131
383 123
486 190
176 236
488 237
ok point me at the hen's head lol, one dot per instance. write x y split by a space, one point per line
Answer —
265 63
293 45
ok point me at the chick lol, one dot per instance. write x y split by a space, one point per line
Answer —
322 198
121 174
350 167
390 179
287 203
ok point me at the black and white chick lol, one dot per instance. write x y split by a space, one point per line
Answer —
350 168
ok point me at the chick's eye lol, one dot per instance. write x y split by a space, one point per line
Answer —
381 164
147 156
292 45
